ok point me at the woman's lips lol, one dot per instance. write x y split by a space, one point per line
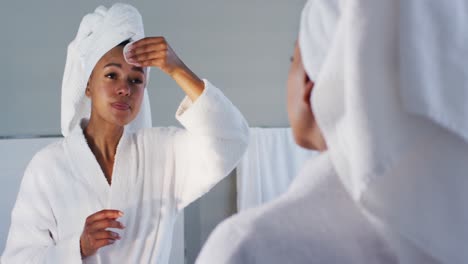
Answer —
121 106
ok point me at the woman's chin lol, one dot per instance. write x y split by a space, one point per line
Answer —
122 117
122 120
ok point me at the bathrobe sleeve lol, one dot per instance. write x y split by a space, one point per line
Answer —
213 141
33 232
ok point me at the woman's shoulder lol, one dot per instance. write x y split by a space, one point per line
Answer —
50 154
264 221
44 164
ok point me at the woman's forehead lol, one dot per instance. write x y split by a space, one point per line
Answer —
114 53
115 57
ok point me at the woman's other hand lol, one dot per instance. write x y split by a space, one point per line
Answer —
95 235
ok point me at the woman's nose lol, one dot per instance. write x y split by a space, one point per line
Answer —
123 89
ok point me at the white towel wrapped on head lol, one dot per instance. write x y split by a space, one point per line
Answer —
391 103
99 32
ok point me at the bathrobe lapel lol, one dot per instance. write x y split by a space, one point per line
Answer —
89 171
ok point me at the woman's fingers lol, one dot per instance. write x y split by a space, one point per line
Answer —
102 220
154 62
146 45
156 52
95 236
103 214
102 243
103 224
153 47
147 41
148 56
105 235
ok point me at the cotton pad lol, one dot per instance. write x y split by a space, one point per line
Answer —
125 52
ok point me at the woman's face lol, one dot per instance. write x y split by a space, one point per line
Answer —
116 89
301 118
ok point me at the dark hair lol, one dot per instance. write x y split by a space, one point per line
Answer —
123 43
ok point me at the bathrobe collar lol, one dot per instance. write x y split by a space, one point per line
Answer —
87 169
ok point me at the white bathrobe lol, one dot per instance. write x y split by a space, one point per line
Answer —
315 221
157 172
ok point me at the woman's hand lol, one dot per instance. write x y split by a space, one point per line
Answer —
156 52
95 235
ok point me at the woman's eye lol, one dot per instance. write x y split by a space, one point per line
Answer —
111 75
136 81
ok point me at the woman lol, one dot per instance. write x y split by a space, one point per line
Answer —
315 219
384 84
110 191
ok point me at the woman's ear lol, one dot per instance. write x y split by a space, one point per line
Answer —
87 91
88 87
308 87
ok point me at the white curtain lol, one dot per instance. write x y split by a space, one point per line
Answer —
270 163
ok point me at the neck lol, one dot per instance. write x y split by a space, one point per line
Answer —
103 138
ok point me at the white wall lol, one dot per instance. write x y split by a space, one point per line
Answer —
242 46
14 156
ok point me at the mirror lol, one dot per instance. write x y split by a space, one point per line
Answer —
243 47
